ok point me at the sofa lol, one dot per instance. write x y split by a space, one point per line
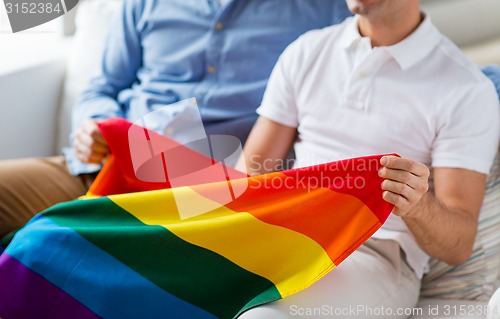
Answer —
463 291
447 292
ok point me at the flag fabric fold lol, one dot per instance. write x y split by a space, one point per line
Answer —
211 249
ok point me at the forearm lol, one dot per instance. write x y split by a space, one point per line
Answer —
121 60
267 146
443 232
444 222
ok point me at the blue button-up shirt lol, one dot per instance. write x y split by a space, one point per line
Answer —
159 52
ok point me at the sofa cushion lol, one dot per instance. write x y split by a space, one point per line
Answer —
478 277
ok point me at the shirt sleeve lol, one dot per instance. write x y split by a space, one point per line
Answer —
279 101
469 132
121 59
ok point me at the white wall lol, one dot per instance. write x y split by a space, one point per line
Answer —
474 25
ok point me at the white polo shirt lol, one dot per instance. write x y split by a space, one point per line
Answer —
420 98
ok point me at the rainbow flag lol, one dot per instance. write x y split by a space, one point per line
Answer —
187 252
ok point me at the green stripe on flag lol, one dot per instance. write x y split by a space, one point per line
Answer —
194 274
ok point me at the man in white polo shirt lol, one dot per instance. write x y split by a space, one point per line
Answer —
383 81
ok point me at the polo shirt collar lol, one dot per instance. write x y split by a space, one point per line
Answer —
416 46
409 51
351 35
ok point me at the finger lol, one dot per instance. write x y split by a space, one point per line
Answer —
401 176
86 154
89 158
418 184
91 143
96 158
88 151
98 138
91 128
80 143
405 164
81 152
99 148
400 189
400 203
88 126
84 138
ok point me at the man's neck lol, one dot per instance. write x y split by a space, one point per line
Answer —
386 32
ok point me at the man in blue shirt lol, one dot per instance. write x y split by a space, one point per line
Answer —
157 53
221 54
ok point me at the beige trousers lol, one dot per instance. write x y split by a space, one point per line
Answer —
28 186
374 282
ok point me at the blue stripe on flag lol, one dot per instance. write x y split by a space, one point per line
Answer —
99 281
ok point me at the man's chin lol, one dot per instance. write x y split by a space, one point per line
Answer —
362 7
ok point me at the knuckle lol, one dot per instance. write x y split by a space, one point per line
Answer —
391 186
386 172
398 201
411 166
423 187
427 172
389 173
405 177
402 189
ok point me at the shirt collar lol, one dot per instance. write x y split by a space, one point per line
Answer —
351 34
416 46
409 51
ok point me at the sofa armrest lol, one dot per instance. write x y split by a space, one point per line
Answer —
30 94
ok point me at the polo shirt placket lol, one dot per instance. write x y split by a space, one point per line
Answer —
361 79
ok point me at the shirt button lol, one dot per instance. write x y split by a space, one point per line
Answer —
361 74
219 26
211 69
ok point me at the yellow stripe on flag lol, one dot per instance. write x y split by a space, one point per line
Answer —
232 235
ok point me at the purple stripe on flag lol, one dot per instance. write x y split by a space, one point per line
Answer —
30 295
